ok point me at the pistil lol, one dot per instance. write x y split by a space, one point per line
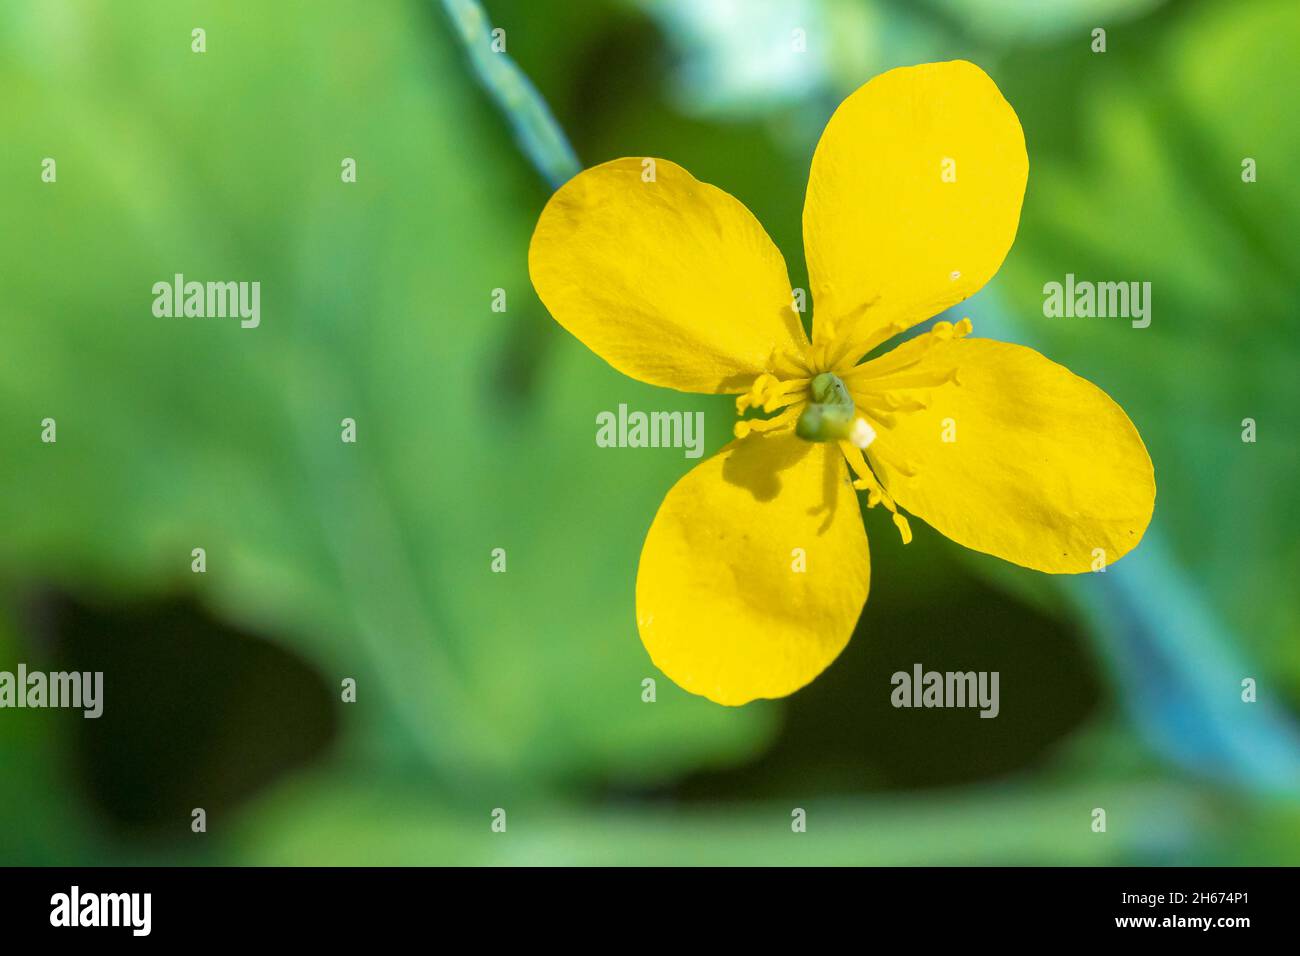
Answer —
831 414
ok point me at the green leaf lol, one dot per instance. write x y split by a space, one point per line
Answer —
371 559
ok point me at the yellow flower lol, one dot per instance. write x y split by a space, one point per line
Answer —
755 570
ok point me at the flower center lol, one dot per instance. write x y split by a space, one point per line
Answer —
847 406
831 414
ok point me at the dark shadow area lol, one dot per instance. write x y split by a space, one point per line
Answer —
842 735
196 713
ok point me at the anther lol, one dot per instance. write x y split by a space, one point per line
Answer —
904 528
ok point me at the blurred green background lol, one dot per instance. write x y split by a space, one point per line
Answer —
476 431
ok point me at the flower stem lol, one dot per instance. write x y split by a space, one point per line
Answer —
535 129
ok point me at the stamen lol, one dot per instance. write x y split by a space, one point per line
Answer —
892 402
818 355
828 330
946 330
784 361
903 527
866 480
742 429
839 351
884 418
876 494
889 455
892 383
769 393
899 360
876 385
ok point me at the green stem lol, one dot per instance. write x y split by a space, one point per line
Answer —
536 130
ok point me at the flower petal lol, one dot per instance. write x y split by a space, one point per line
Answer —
672 281
721 605
890 240
1019 458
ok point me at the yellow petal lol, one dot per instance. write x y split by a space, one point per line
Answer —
672 281
721 605
890 241
1019 458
